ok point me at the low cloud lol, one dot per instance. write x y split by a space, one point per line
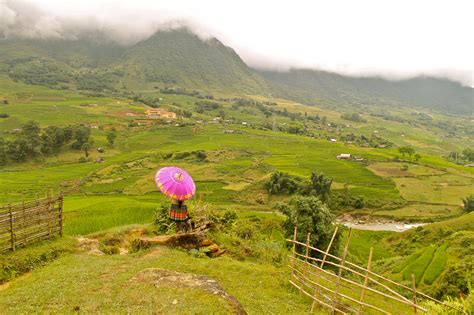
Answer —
393 39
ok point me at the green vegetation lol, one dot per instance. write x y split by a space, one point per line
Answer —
254 169
419 265
310 216
468 203
436 266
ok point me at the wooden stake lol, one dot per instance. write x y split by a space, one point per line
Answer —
313 305
329 246
60 208
307 246
306 269
343 260
413 281
366 279
294 248
12 233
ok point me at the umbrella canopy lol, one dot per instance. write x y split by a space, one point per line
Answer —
175 183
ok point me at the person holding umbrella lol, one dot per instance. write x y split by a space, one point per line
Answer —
176 184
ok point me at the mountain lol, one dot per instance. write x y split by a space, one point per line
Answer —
325 88
168 58
179 58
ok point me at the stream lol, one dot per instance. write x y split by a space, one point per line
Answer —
379 226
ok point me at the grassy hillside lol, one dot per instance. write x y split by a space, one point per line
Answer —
166 59
178 58
325 88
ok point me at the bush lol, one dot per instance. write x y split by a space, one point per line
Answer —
162 222
3 115
282 183
468 203
310 215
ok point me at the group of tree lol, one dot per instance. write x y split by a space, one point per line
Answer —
318 185
33 142
373 141
410 151
353 117
204 106
307 211
465 156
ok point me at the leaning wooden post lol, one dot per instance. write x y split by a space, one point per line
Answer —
306 267
313 304
329 246
294 251
12 233
60 208
23 220
48 213
413 281
343 260
366 279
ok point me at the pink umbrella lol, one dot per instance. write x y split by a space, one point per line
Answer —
175 183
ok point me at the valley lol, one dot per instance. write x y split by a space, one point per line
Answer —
234 129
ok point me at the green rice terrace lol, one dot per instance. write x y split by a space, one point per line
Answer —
264 163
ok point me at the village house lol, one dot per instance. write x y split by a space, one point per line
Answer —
344 156
159 113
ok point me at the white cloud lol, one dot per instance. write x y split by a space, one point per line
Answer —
391 38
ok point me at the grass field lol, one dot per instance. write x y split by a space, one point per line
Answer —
121 191
261 288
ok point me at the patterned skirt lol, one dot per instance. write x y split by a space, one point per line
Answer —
177 213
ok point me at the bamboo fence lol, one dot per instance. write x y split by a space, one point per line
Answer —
344 287
29 222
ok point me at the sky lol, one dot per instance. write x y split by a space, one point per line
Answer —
394 39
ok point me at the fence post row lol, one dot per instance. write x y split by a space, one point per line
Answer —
28 222
343 293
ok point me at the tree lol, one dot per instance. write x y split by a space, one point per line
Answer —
406 150
81 135
111 136
17 150
468 154
282 183
3 152
310 215
87 146
468 203
319 185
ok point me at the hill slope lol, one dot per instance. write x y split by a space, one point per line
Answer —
319 87
178 58
168 58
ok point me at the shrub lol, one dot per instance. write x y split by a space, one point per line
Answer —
468 203
162 222
310 215
282 183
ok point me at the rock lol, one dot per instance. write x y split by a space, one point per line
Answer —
206 242
213 248
169 278
217 254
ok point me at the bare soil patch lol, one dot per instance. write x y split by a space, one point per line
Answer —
162 277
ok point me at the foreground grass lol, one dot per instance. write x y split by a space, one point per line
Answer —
95 284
